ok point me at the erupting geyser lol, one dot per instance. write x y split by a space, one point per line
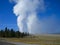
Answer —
27 17
25 11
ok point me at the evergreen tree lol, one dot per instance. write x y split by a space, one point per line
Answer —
6 32
2 33
12 33
18 34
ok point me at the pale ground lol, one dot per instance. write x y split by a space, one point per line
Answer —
44 39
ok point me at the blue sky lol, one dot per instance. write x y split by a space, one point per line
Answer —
53 7
8 19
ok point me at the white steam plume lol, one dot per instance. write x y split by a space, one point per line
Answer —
26 12
27 21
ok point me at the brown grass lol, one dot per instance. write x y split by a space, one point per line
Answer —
42 40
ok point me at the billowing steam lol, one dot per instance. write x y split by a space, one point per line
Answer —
27 20
27 15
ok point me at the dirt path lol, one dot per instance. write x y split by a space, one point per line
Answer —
19 43
13 43
5 43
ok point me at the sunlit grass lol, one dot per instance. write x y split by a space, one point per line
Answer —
42 40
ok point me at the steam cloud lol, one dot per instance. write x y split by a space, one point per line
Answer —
27 15
27 20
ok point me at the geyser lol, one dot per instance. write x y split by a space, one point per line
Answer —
25 11
27 18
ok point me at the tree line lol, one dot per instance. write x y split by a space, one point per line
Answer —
10 33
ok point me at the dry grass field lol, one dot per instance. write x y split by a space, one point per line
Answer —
39 39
